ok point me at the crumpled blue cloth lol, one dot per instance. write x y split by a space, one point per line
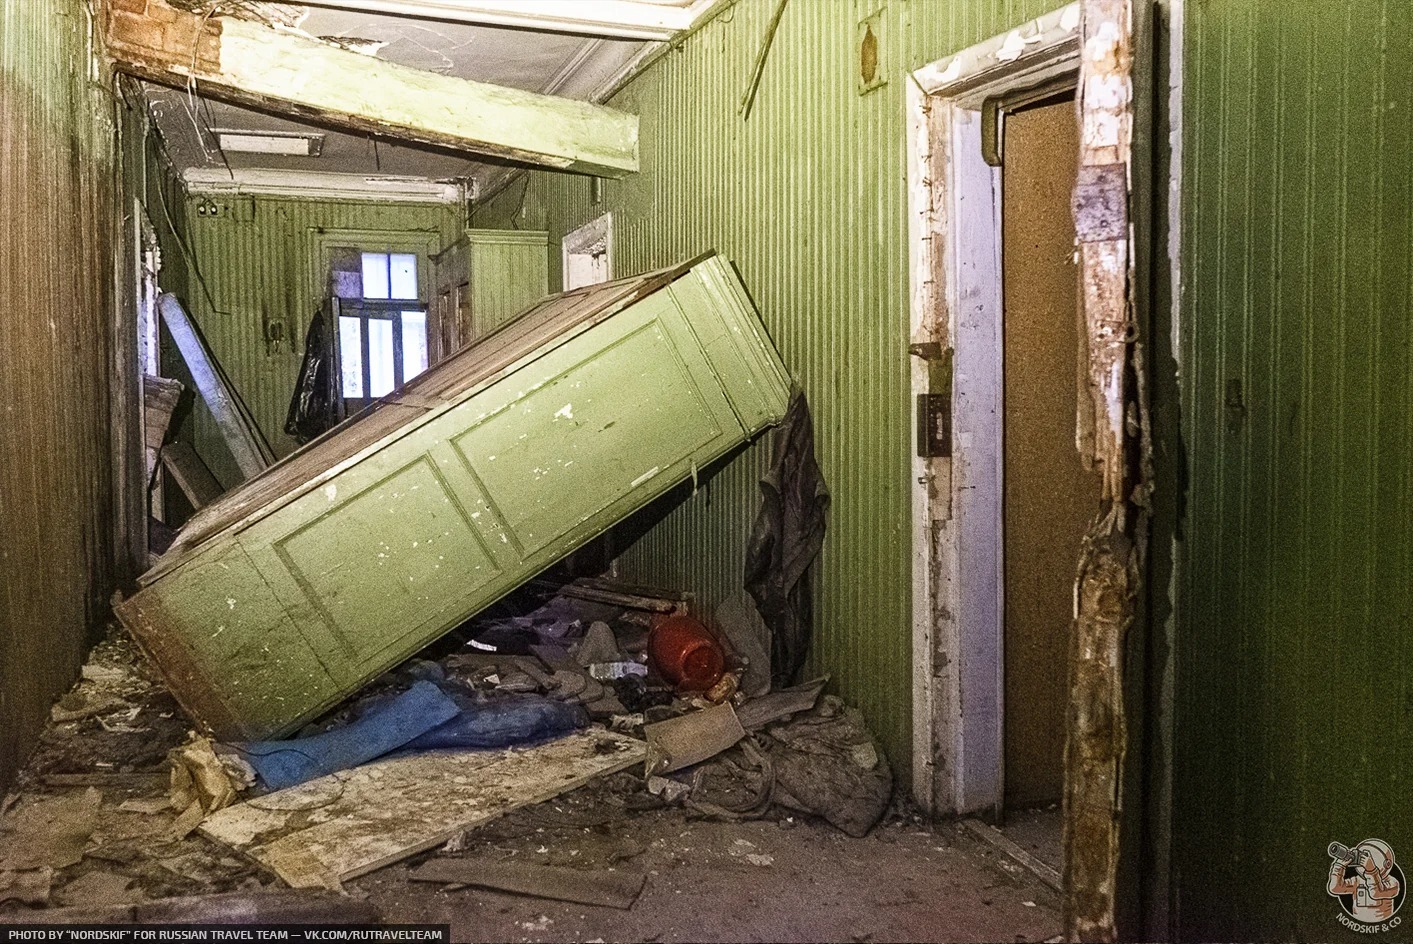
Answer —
501 722
427 716
377 731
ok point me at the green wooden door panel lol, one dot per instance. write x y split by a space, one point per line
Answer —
557 455
379 554
390 560
236 639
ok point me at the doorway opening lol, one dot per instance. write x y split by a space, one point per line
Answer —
1048 494
1006 98
1026 282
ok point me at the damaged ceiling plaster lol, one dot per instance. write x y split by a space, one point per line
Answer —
563 64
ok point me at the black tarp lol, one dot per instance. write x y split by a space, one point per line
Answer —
786 538
314 408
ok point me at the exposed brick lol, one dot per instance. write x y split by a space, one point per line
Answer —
130 6
128 29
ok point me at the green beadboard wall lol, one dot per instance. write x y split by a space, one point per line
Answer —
59 228
257 258
807 197
1295 626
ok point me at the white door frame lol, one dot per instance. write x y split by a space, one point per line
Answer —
955 273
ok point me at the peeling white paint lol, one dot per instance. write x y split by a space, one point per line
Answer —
1014 46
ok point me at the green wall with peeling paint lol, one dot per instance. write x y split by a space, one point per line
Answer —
60 216
256 260
807 197
1295 623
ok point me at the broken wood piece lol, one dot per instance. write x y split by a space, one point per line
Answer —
609 889
748 98
75 706
191 474
767 709
633 598
99 888
28 888
146 805
1041 870
135 780
48 831
159 399
252 454
690 739
280 906
338 827
281 71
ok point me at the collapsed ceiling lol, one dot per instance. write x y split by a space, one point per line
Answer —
539 57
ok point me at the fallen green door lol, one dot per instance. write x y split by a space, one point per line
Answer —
291 592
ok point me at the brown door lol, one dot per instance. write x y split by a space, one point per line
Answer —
1049 496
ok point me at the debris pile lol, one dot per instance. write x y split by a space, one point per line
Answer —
562 686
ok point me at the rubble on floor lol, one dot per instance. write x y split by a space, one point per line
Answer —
123 804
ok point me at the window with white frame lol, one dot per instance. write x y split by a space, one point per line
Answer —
383 329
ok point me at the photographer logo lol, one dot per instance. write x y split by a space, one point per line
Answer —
1368 884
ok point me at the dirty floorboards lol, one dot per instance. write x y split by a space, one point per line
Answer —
777 879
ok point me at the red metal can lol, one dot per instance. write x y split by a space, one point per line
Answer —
685 653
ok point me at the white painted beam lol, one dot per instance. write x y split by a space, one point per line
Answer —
619 19
295 75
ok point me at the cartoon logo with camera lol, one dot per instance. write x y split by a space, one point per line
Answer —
1369 885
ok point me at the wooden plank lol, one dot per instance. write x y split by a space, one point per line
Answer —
1099 803
159 399
1041 870
191 474
279 906
253 64
248 447
323 832
609 889
633 598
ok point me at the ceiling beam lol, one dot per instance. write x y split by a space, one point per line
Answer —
295 75
619 19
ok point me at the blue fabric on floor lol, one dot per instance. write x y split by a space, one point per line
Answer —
501 722
376 732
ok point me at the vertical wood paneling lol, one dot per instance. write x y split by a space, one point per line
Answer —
58 219
807 198
261 265
1295 618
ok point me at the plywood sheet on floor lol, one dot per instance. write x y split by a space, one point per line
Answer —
350 823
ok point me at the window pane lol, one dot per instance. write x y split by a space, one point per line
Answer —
351 353
404 275
414 344
375 275
380 356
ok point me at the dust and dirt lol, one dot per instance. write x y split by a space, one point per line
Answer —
778 877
